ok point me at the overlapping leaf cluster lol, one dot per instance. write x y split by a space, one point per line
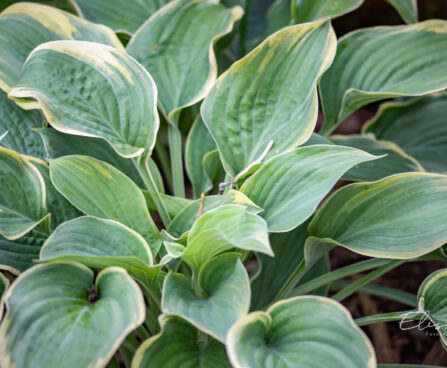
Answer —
107 261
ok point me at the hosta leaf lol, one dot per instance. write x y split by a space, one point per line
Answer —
25 26
393 160
120 18
432 301
306 331
269 96
223 228
60 209
17 124
314 169
4 284
402 216
103 240
100 243
185 219
98 189
90 89
177 345
66 5
22 253
311 10
224 296
366 68
51 322
59 144
278 16
289 252
419 127
199 143
316 138
407 9
176 46
22 195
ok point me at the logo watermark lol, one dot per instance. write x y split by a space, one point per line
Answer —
421 321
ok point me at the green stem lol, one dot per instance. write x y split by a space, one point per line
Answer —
339 274
151 322
175 149
380 291
151 187
351 289
165 166
410 315
243 30
142 332
291 282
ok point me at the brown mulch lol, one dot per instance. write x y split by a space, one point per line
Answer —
392 345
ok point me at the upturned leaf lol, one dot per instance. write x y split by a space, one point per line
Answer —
179 344
221 298
366 69
269 96
314 169
52 319
25 26
418 126
402 216
176 46
94 90
22 196
98 189
303 331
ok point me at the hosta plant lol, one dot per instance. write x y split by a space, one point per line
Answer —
112 256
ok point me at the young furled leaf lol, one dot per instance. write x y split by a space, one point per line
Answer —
219 299
224 228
